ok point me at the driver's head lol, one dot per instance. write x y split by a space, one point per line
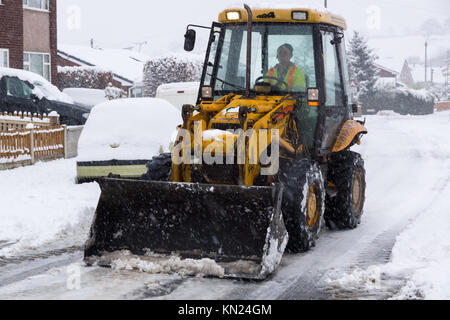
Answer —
285 53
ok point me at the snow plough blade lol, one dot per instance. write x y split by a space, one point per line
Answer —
240 228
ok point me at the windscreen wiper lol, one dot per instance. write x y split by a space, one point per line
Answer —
228 83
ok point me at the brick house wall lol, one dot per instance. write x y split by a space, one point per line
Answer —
11 34
53 42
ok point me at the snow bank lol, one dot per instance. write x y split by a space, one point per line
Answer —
168 265
128 129
43 88
44 204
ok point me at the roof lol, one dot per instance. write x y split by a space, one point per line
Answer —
126 65
388 70
285 15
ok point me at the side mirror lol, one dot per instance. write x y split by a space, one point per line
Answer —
189 40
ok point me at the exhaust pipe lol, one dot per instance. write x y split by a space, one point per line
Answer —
249 48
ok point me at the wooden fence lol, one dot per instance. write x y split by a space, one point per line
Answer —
20 121
442 106
25 140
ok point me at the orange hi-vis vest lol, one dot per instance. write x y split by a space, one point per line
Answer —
291 76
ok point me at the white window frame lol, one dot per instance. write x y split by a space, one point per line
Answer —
7 55
45 5
27 66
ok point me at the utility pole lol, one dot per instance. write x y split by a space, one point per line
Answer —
426 61
447 71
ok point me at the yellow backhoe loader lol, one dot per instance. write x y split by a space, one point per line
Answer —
262 160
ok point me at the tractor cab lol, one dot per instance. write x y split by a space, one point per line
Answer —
298 53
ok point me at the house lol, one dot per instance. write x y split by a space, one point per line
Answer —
126 65
28 36
386 76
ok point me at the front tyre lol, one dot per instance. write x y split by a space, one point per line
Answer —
346 171
159 168
303 204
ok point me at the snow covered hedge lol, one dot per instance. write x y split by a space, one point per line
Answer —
401 100
83 77
170 69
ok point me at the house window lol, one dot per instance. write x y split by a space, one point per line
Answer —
38 63
4 57
37 4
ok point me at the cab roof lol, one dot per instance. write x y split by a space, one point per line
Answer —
284 15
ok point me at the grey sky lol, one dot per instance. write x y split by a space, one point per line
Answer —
113 23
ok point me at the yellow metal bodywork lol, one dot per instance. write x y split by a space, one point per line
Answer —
348 132
285 15
269 113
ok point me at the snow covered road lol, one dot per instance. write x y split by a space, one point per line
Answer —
401 249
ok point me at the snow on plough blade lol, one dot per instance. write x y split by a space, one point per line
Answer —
240 228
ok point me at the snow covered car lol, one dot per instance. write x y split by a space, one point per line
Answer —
122 136
25 91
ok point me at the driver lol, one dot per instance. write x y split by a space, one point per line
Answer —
287 71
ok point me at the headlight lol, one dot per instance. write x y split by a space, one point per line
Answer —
300 15
86 115
207 93
233 15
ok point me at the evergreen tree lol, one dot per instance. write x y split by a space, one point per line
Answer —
362 68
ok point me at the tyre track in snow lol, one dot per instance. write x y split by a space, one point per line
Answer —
393 167
17 268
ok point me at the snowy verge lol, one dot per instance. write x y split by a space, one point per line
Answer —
421 254
44 205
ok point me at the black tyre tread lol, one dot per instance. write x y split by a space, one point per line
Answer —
339 212
159 168
294 179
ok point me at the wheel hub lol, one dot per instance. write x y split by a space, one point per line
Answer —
357 192
313 212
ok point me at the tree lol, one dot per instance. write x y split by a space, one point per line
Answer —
362 67
170 69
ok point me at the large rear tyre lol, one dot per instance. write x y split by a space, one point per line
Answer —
303 204
159 168
346 171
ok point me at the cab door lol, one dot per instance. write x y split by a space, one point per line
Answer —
334 104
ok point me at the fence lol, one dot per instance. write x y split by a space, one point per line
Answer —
442 106
20 121
25 139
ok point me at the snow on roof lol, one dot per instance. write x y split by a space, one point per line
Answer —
124 63
43 88
128 129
